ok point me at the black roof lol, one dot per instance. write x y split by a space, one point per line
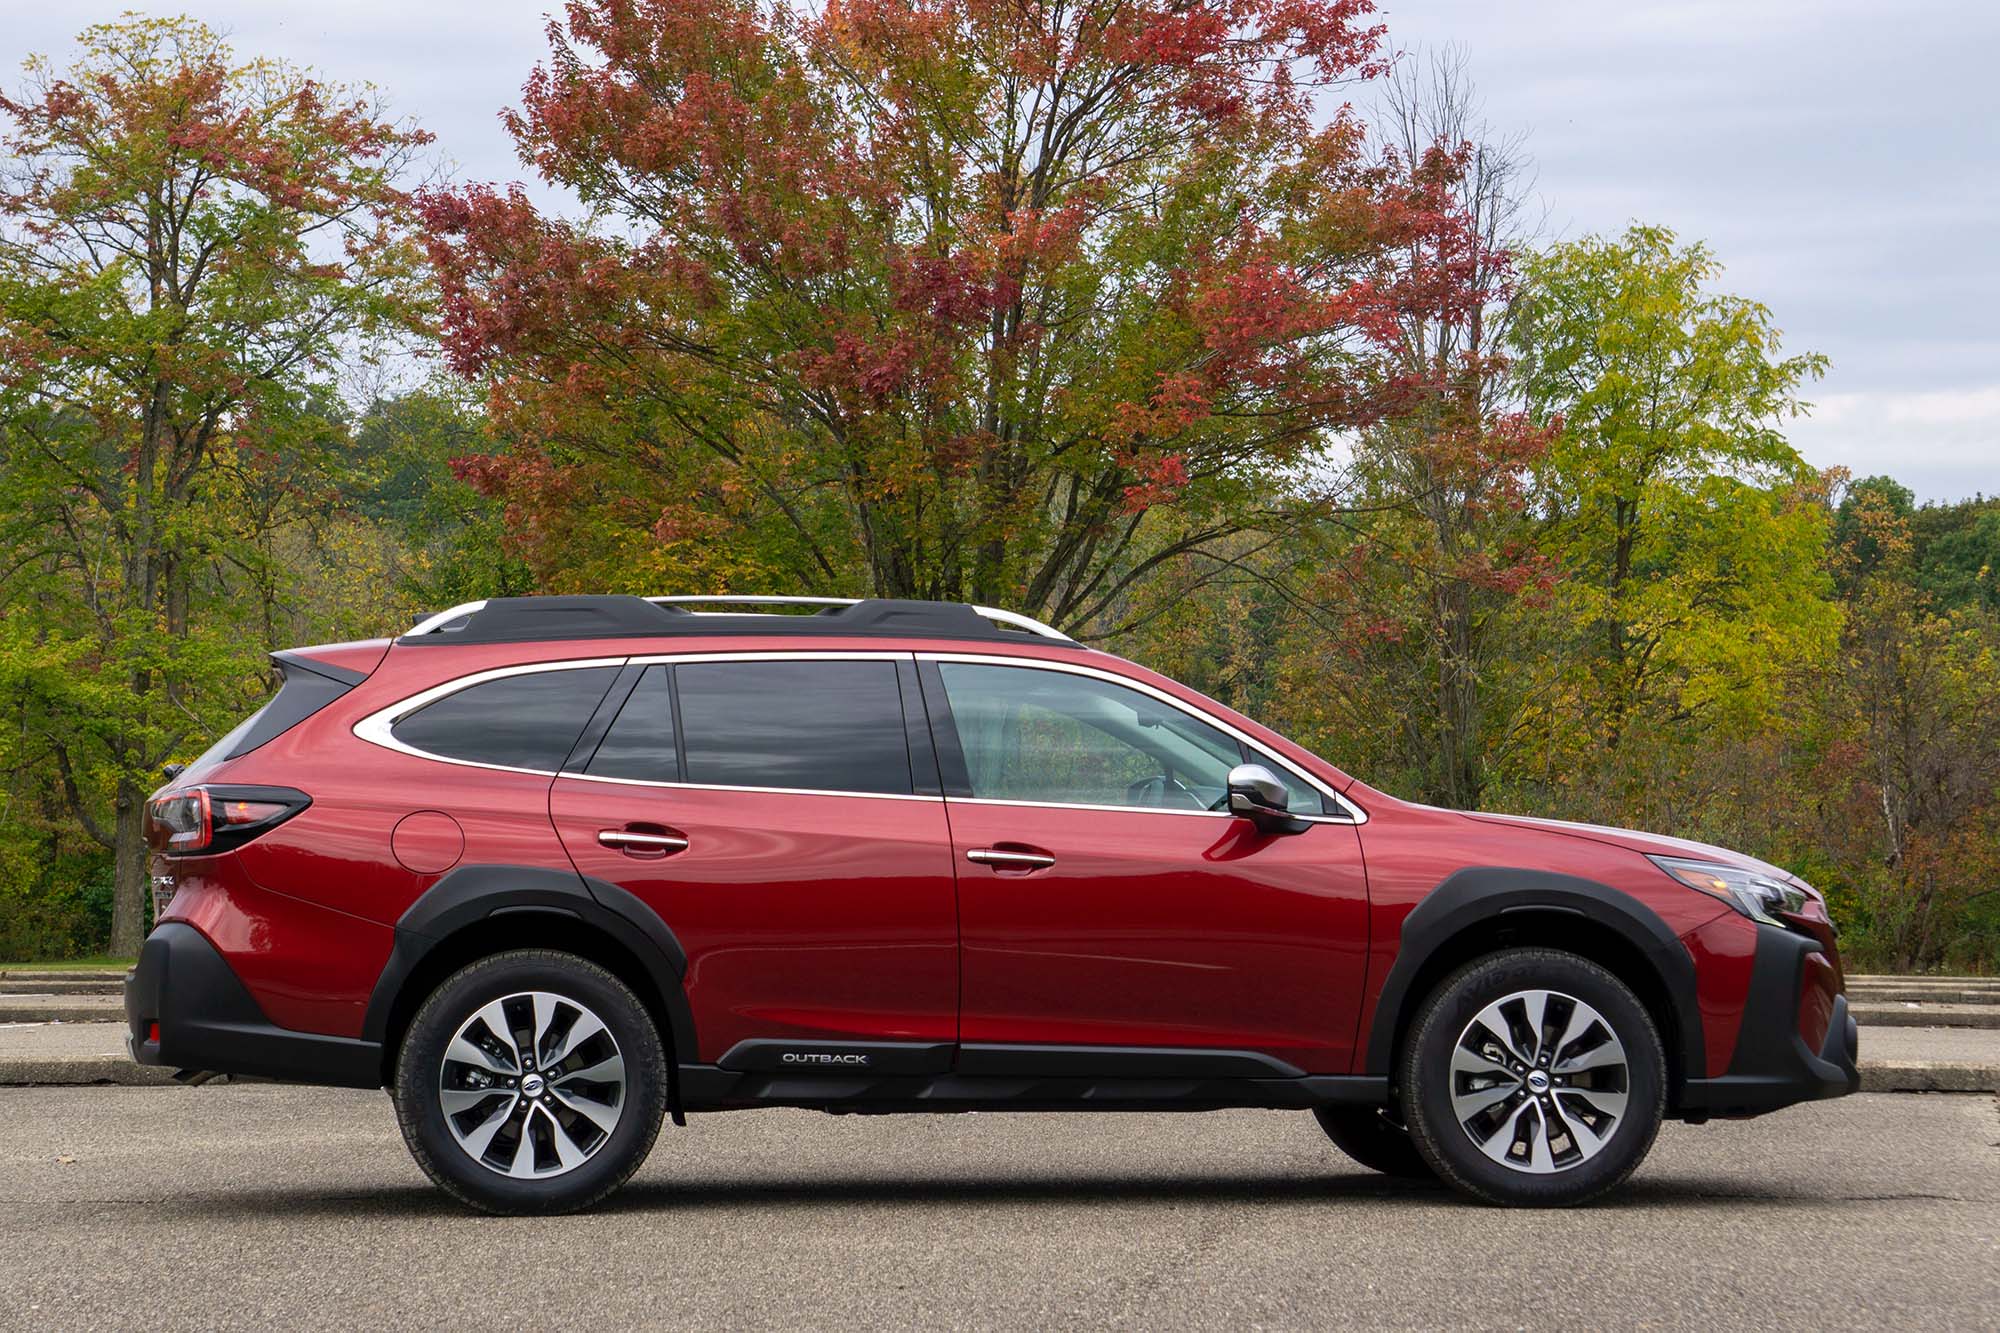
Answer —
537 619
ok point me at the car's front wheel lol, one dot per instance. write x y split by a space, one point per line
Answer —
531 1082
1533 1077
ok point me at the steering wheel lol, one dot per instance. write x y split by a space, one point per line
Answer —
1164 793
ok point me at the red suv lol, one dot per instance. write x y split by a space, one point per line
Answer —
554 869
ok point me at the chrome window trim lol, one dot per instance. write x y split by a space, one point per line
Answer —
1136 809
1354 813
374 728
1088 805
722 786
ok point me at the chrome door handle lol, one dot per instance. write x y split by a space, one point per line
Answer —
994 856
645 842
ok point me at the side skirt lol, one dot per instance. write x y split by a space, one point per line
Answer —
889 1078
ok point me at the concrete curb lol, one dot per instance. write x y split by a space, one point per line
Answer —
1922 995
1929 1076
79 1070
1876 1014
10 988
62 1009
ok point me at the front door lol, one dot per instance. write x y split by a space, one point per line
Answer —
1107 901
765 808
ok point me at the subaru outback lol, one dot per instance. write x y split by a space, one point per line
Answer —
557 870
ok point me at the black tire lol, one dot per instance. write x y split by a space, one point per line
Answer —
1370 1137
612 1155
1598 1158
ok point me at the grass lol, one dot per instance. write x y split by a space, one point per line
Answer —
97 964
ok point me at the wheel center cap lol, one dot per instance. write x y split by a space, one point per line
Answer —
532 1085
1538 1082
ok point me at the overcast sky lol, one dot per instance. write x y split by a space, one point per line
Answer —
1842 156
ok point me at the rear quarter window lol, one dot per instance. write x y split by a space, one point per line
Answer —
528 720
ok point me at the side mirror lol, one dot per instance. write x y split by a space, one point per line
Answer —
1256 794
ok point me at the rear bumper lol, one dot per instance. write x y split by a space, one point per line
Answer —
207 1020
1773 1067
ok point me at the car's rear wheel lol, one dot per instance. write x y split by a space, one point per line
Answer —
531 1082
1372 1138
1533 1077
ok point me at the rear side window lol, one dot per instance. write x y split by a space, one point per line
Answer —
640 743
812 725
525 721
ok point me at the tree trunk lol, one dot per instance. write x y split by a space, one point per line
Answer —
128 885
1626 518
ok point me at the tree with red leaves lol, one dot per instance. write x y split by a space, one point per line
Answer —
1443 543
1011 303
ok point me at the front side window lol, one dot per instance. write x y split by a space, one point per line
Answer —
813 725
523 721
1033 735
1052 736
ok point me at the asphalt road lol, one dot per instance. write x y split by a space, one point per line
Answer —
266 1205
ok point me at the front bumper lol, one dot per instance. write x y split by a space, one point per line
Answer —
1773 1067
186 1009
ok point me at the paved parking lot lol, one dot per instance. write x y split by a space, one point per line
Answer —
265 1204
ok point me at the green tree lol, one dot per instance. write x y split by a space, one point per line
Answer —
188 245
1899 790
1864 510
1689 530
1958 552
400 474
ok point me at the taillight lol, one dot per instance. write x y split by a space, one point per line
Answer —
179 822
216 819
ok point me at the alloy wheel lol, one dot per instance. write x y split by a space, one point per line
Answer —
532 1085
1539 1081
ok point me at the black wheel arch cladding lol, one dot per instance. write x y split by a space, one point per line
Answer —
1482 895
473 896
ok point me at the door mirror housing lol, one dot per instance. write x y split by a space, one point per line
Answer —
1256 794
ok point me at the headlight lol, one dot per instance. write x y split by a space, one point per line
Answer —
1758 897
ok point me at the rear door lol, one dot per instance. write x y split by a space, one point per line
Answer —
769 808
1114 918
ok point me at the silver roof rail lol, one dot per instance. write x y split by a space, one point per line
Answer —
1019 621
439 623
754 600
432 624
1012 618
